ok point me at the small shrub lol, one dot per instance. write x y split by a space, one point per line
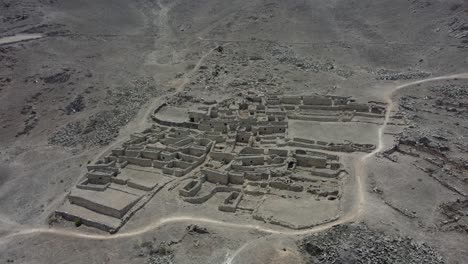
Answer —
78 222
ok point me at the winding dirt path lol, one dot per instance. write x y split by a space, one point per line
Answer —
356 211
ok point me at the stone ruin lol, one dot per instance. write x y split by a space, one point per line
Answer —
239 147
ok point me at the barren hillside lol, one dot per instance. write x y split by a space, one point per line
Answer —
81 79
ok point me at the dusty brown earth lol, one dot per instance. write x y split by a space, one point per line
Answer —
92 71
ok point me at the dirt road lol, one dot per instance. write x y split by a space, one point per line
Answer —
354 213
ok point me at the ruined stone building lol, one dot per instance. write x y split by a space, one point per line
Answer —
241 148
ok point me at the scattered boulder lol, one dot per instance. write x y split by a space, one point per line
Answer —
77 105
60 77
197 229
360 244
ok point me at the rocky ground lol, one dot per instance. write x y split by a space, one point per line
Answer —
456 216
163 253
102 127
360 244
93 76
436 139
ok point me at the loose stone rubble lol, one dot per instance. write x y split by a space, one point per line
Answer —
456 215
433 145
360 244
241 148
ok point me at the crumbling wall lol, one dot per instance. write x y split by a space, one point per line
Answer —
315 118
251 151
182 164
206 197
197 116
214 136
189 158
138 161
316 100
118 152
222 156
194 151
164 155
327 173
204 142
296 100
191 188
85 185
311 161
243 137
183 142
99 177
132 153
174 167
278 152
231 202
236 177
358 107
174 124
136 139
87 222
160 164
316 153
256 176
340 100
251 160
146 154
111 166
294 187
271 129
215 176
304 140
99 208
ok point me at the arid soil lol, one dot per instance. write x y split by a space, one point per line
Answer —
359 244
77 77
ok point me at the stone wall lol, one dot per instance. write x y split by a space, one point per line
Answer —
191 188
98 177
316 100
243 137
236 177
174 124
267 130
251 151
154 155
160 164
278 152
231 202
84 185
99 208
103 167
311 161
251 160
222 156
256 176
296 100
287 186
206 197
197 116
215 176
87 222
138 161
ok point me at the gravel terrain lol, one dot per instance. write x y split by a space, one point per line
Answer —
92 72
359 244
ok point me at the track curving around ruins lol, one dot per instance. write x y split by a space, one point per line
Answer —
354 213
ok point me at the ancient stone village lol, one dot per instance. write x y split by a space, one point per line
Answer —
244 150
